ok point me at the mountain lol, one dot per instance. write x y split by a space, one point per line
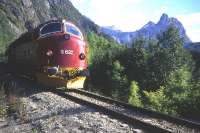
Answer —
194 47
148 31
19 16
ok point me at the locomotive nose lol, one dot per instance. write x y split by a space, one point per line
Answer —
71 53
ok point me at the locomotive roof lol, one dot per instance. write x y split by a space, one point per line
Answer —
50 21
27 36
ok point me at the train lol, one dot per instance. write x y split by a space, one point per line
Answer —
54 54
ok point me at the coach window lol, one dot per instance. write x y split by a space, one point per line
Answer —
51 28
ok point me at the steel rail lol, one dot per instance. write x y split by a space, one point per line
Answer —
169 118
120 116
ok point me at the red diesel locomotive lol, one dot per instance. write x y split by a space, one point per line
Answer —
54 53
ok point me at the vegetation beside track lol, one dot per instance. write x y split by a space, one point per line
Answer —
155 74
10 103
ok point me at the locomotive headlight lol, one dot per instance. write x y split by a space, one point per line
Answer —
52 70
49 52
82 56
66 36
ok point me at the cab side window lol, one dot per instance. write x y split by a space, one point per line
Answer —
73 30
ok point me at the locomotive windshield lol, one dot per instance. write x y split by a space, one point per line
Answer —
73 30
51 28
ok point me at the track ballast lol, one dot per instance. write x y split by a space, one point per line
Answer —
148 120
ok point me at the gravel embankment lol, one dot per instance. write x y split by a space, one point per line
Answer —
49 113
154 121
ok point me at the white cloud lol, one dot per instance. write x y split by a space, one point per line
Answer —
164 8
191 22
133 22
190 19
112 12
130 15
194 34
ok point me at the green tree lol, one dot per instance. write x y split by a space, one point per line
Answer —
191 107
118 80
172 98
134 96
166 70
106 70
157 100
135 62
168 57
117 77
180 90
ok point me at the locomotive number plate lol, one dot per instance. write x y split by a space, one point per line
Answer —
67 52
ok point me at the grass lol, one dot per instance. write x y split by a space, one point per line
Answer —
10 103
5 102
3 105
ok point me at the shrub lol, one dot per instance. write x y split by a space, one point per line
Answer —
134 96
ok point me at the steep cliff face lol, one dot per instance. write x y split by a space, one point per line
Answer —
19 16
148 31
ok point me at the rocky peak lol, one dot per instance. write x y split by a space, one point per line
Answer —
164 19
111 28
149 31
149 24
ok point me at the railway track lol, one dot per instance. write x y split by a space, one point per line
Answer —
149 121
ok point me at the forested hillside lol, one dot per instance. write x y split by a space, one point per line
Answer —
156 74
19 16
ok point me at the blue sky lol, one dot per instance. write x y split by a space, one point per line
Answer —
131 15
